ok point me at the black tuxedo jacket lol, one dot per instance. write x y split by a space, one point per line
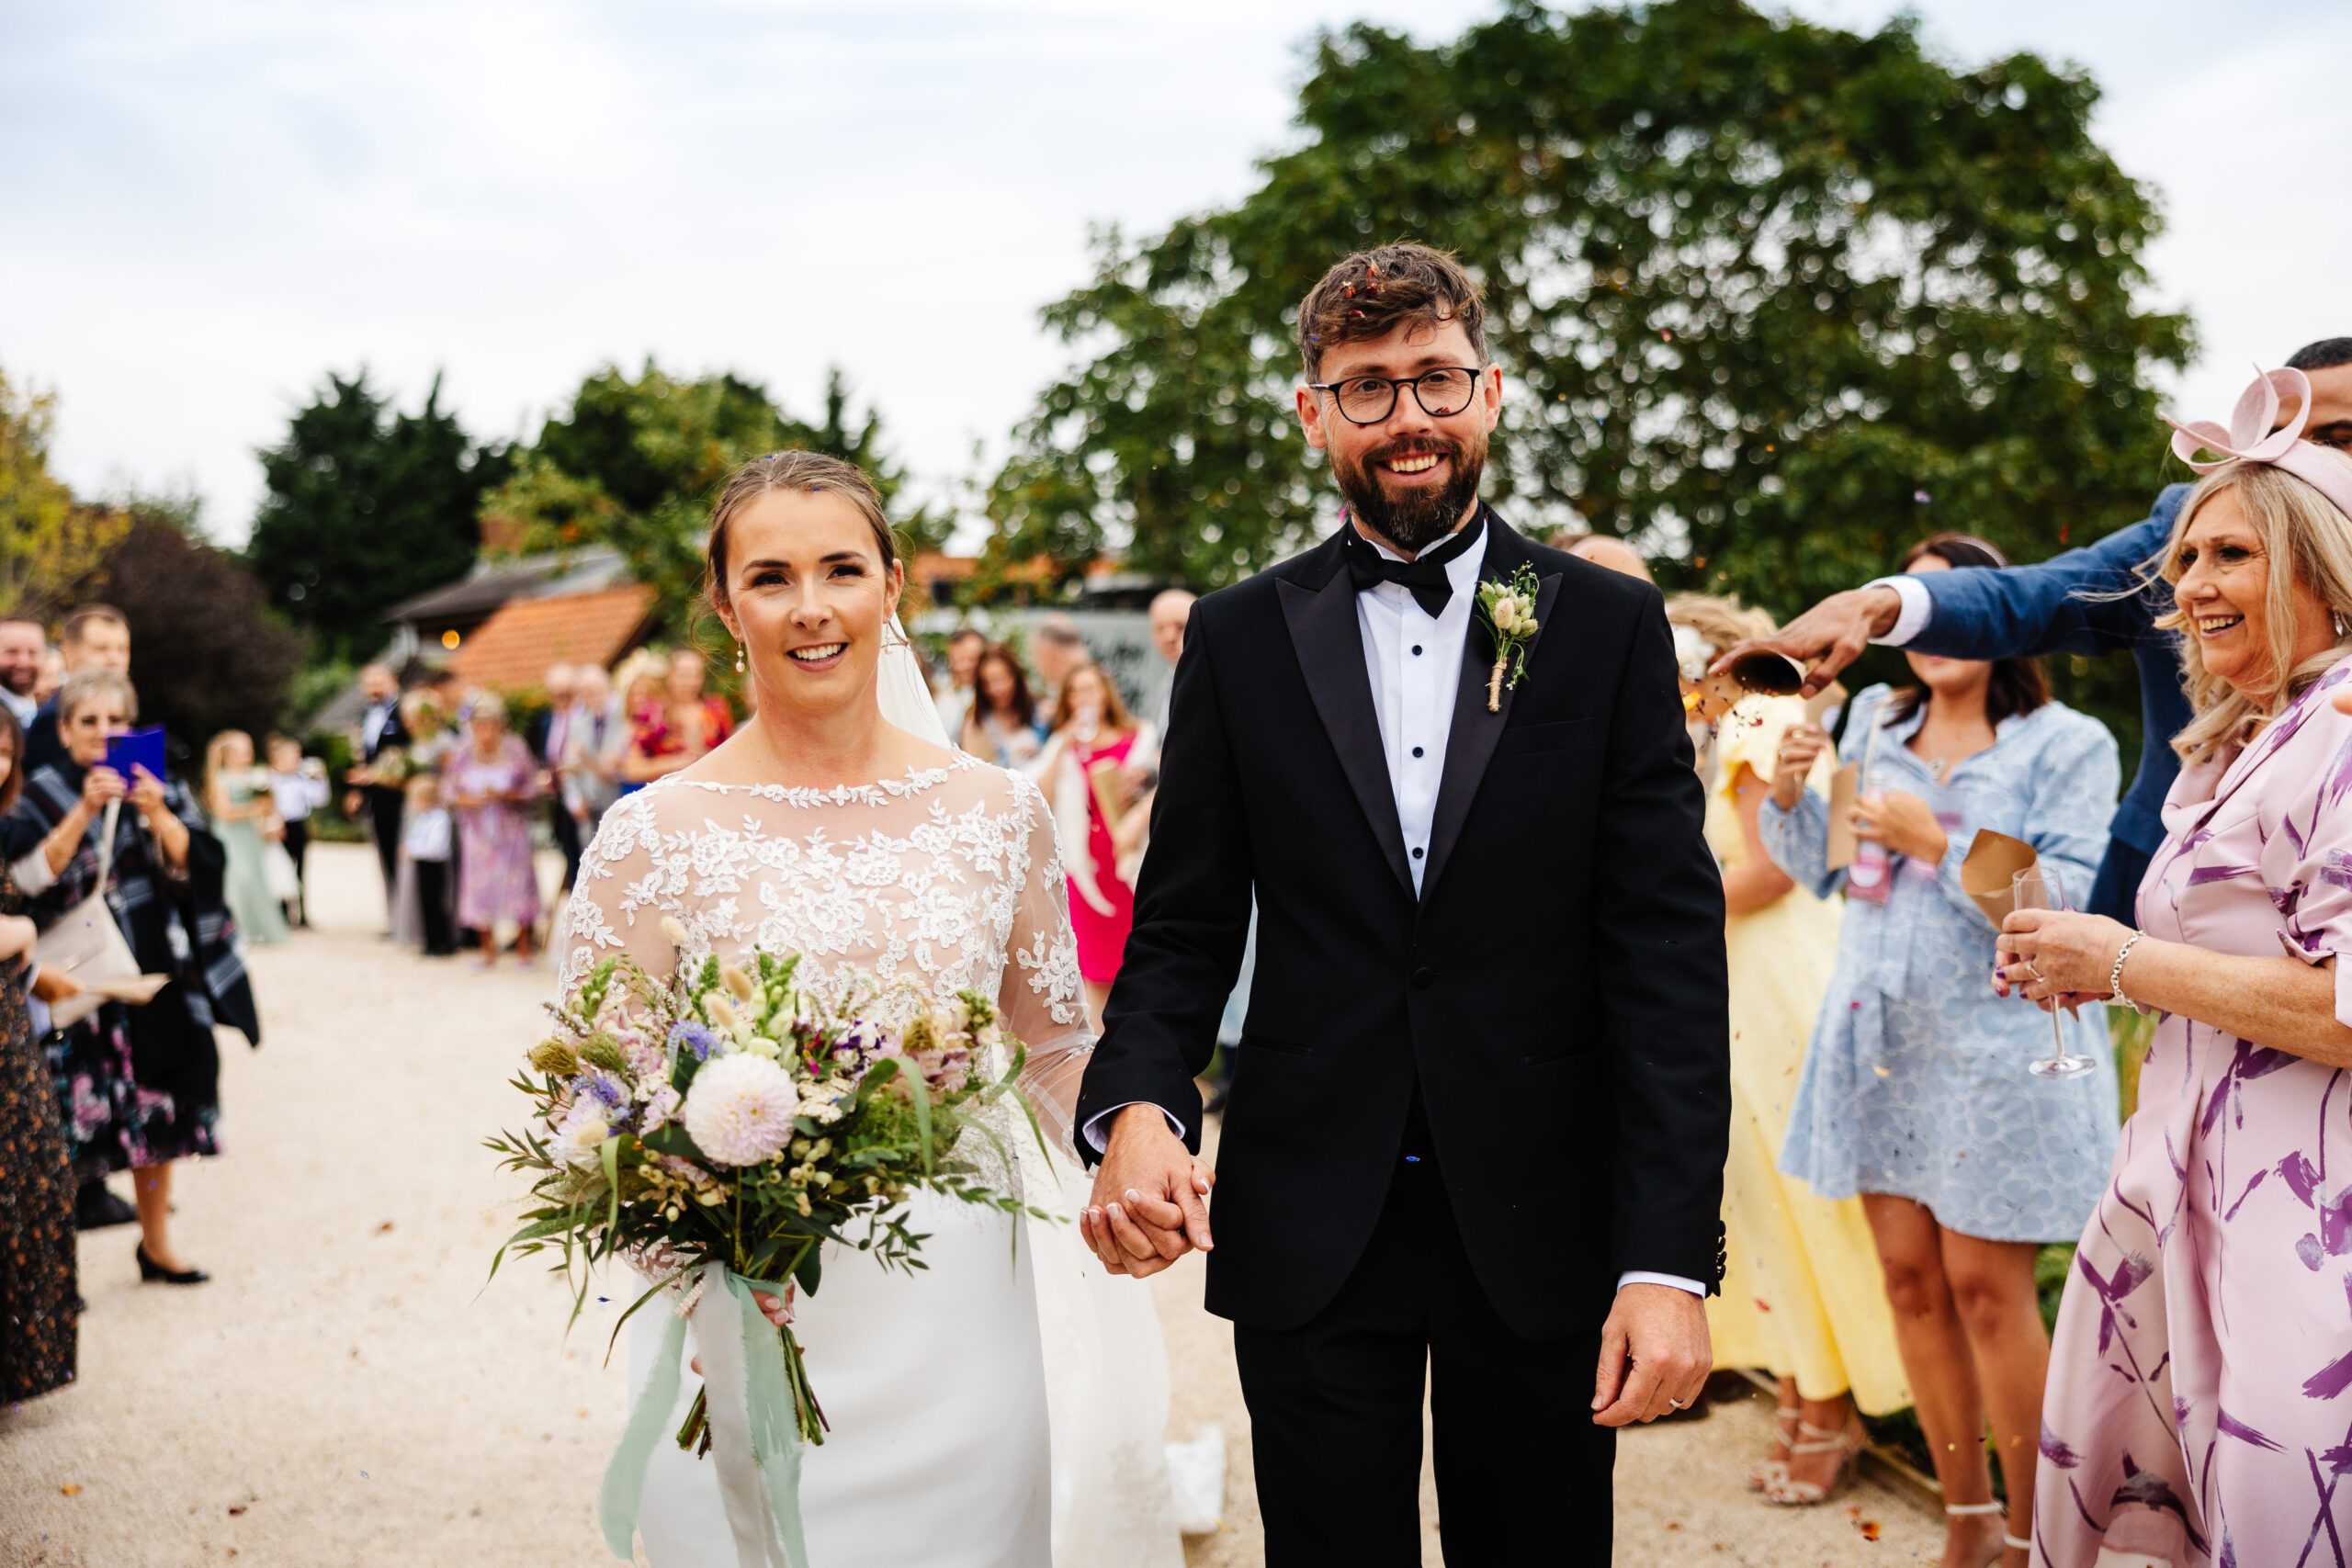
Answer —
1556 992
394 733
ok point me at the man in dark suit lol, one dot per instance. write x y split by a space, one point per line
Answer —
382 737
1475 1137
2093 600
548 737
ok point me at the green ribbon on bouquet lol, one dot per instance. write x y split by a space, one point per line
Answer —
773 1417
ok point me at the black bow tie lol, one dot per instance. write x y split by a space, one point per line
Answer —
1423 576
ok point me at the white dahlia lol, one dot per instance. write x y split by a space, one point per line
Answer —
739 1109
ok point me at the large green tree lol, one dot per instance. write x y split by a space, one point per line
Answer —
635 463
49 542
367 505
1773 299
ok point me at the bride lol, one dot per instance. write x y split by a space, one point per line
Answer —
958 1440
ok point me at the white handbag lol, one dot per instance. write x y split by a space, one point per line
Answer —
86 944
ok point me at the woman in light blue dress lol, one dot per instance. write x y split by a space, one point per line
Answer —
1915 1092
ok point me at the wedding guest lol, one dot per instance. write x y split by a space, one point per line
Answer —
2093 600
965 646
639 680
426 842
22 643
374 785
550 736
590 762
1802 1294
237 798
1915 1091
1079 771
39 1303
1001 725
139 1084
489 785
298 786
682 727
95 636
1057 649
1601 549
2196 1409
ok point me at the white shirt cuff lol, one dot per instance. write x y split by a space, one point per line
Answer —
1642 1276
1917 610
1096 1130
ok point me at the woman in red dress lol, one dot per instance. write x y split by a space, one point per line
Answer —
1085 772
679 730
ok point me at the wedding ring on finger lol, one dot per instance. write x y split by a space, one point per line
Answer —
1674 1403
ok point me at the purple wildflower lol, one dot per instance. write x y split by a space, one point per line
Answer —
688 1036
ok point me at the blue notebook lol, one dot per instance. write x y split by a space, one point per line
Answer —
139 749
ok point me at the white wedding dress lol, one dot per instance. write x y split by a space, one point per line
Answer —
961 1436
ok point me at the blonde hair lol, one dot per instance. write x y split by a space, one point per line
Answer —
2299 527
84 684
645 664
216 748
1718 618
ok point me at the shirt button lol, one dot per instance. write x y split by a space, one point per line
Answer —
1417 648
1417 750
1417 853
1423 978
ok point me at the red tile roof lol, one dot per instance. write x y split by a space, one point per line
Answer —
513 648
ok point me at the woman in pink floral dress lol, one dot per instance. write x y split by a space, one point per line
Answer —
2199 1402
489 783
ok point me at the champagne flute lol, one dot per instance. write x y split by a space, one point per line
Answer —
2037 887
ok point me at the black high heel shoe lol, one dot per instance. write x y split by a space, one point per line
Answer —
150 1270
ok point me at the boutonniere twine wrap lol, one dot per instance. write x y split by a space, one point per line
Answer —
1508 611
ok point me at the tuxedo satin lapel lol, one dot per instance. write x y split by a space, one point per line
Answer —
1331 654
1476 731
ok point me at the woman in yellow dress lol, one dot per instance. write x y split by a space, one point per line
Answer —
1802 1296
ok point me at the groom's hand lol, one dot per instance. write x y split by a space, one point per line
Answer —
1654 1350
1147 1211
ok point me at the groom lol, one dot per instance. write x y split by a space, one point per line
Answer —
1477 1129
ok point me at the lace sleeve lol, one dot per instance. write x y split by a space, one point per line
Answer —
1041 996
624 888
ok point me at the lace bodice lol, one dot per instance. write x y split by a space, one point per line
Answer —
947 877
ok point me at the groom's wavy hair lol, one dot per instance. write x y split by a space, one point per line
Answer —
809 472
1371 293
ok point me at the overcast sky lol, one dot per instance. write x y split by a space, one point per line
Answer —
205 205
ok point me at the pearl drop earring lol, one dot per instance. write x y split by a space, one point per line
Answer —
739 658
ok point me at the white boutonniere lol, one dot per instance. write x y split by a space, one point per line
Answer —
1508 611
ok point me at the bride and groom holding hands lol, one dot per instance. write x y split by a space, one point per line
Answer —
1475 1137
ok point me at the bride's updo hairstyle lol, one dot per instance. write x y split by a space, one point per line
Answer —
811 473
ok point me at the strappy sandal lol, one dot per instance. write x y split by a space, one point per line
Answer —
2008 1542
1846 1442
1786 1419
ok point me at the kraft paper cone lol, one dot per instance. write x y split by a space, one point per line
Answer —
1989 873
1844 785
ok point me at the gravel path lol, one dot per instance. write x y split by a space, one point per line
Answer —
345 1392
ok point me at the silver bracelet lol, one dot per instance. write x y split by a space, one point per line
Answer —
2115 974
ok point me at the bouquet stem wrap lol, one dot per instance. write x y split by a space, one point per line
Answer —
754 1425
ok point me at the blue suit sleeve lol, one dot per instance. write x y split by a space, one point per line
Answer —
2082 601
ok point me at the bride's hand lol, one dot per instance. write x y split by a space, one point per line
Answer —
775 1309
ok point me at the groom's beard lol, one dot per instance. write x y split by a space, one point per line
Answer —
1414 519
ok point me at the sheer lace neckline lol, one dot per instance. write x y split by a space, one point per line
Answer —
881 792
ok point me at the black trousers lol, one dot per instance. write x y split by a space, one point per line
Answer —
385 807
298 845
2117 889
566 827
433 907
1335 1413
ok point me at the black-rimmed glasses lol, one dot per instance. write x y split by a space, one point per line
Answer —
1368 399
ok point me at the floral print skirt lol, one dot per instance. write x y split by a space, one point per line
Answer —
113 1121
40 1306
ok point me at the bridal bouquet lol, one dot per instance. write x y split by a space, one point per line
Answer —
715 1127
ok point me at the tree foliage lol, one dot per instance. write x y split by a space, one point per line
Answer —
365 507
207 653
49 542
1772 299
637 463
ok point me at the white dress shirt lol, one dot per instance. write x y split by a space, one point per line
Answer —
1917 610
1415 661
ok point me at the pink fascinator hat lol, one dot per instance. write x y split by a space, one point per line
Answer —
2250 439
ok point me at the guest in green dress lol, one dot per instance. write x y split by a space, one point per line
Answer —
237 797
